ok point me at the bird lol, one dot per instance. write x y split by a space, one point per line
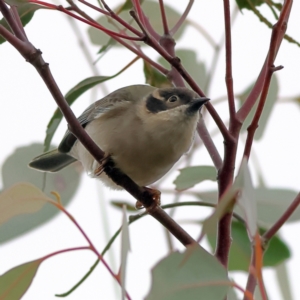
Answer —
143 129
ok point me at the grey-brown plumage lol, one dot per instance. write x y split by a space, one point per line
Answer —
144 129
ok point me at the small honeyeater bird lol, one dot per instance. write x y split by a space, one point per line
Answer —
145 130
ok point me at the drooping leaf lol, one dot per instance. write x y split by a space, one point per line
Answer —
125 248
194 274
283 280
271 204
15 282
240 251
155 78
191 63
191 176
25 10
21 198
15 169
246 199
71 96
268 107
151 10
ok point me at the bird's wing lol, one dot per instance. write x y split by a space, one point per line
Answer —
101 106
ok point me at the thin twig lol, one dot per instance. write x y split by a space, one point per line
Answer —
228 52
163 17
182 18
273 230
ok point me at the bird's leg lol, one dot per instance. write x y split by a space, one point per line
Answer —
155 196
98 171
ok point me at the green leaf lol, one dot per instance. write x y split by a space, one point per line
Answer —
240 251
191 63
21 198
15 169
71 96
155 78
25 11
15 282
120 204
245 3
191 176
194 274
269 105
151 10
271 204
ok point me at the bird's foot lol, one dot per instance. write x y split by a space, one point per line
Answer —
155 195
100 169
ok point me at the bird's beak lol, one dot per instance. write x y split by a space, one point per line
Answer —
196 104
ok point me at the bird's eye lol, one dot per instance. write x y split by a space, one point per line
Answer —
173 98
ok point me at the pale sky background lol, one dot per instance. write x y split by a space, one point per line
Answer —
27 107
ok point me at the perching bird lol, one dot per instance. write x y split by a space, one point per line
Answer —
145 130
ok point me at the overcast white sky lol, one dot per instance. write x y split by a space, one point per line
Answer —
27 107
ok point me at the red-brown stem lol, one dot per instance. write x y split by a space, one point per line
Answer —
64 251
228 53
278 32
91 245
273 230
163 17
209 144
182 18
251 283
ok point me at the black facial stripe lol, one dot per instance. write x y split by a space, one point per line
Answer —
183 96
155 105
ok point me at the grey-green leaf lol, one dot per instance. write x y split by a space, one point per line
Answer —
194 274
25 11
240 251
151 10
15 282
71 96
191 63
271 204
268 107
15 169
191 176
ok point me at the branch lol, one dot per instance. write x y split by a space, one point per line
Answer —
209 144
228 51
278 32
163 17
273 230
182 18
142 194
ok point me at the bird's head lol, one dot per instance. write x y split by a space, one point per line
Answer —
174 101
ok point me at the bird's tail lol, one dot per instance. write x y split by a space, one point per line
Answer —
51 161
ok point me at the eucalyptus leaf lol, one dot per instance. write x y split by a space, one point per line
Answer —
120 204
267 110
15 169
21 198
240 251
245 3
125 248
194 274
191 176
155 78
271 204
246 199
151 10
70 97
191 63
25 10
15 282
